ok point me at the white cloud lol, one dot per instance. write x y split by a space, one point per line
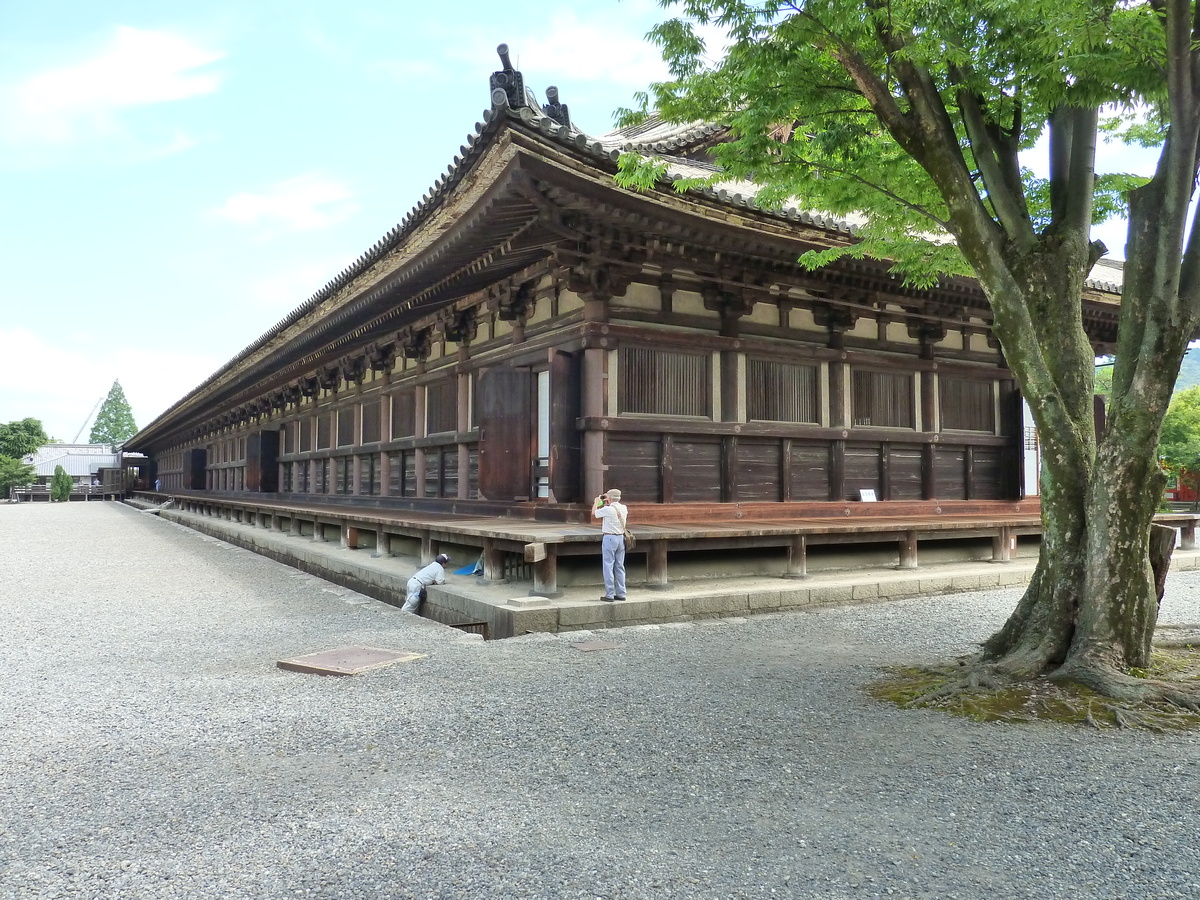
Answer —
287 290
82 101
298 204
60 386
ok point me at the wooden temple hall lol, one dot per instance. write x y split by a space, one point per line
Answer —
532 334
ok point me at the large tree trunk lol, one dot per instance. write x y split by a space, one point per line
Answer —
1091 605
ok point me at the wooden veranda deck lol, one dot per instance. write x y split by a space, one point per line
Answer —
509 543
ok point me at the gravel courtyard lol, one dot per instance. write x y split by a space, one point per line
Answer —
150 748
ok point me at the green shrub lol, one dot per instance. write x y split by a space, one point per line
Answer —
60 484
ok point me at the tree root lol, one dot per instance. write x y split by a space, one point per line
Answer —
1165 698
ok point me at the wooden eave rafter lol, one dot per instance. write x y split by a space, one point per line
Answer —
518 197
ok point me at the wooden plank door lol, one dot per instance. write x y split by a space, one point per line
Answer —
505 434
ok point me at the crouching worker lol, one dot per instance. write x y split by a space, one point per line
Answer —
434 573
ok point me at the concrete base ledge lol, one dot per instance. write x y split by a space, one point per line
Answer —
508 610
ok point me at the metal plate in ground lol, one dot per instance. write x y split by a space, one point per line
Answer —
346 660
591 646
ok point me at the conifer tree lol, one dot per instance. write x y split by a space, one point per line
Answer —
60 484
114 423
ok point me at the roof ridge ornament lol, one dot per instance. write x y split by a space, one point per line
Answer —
508 86
555 110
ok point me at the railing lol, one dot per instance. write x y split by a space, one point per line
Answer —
42 491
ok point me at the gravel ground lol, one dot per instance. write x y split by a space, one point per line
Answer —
150 748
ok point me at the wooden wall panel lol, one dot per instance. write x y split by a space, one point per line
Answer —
473 474
697 470
449 474
634 468
949 465
758 470
904 471
989 481
862 470
809 470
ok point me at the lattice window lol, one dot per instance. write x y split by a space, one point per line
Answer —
882 399
781 392
305 435
665 383
369 472
967 405
323 432
404 414
370 421
345 427
441 406
343 474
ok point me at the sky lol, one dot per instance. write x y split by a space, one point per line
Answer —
176 178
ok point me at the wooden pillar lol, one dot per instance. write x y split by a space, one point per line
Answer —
420 431
427 553
276 522
493 563
593 390
929 489
1187 536
797 557
837 471
785 470
318 531
729 474
885 471
668 468
1003 543
545 575
383 545
908 550
656 566
294 525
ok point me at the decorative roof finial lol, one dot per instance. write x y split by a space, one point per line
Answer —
508 87
555 110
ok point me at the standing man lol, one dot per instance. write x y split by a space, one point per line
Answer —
434 573
612 515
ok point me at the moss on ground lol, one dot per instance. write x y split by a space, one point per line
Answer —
950 689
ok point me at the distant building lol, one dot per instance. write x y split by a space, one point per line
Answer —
82 462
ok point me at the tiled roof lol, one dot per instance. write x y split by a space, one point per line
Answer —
652 136
76 464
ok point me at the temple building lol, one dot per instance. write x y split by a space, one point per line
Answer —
532 334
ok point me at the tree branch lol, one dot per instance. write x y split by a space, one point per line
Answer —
1010 211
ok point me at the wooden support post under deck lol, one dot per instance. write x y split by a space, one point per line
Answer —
427 553
545 575
276 522
382 544
1002 545
908 550
318 531
797 558
1187 536
493 563
656 566
294 525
